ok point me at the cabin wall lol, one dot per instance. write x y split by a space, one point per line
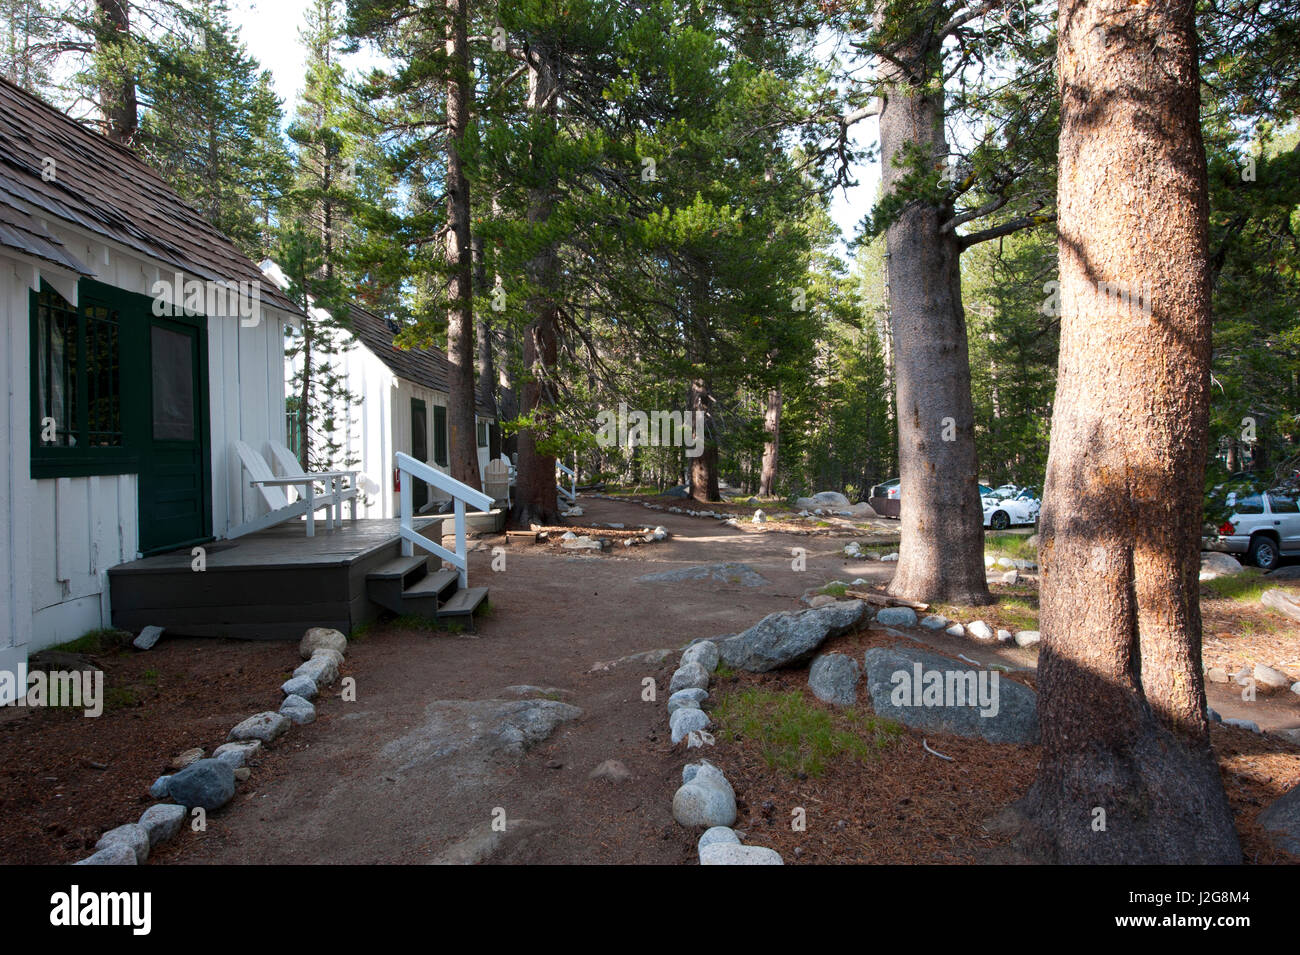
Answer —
378 425
15 485
247 389
59 536
369 439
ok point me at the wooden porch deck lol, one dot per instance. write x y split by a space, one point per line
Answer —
269 585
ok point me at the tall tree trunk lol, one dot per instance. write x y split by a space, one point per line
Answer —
114 64
704 468
535 495
1122 703
941 558
536 500
462 438
772 446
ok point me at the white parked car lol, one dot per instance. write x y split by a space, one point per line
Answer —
1000 514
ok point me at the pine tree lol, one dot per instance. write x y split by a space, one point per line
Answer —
319 210
213 128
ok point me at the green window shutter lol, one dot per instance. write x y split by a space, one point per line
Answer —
440 436
78 388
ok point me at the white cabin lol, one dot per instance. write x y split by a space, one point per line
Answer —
138 344
402 408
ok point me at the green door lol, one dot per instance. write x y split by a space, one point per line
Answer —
175 494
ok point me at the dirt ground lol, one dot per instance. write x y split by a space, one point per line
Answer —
327 794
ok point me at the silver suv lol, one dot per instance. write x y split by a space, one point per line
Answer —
1263 525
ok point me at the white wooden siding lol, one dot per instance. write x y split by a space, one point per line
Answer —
59 537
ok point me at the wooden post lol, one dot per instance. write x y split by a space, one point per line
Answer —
460 542
404 479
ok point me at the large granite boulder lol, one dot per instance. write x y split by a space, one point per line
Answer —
787 637
934 693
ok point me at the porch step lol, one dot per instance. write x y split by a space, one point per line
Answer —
408 585
463 603
387 583
434 585
398 568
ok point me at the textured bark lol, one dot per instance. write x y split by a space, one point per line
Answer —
462 438
1122 703
772 446
117 92
536 501
704 468
941 558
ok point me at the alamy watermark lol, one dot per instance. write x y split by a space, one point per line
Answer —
1126 294
78 689
91 907
181 296
921 687
656 429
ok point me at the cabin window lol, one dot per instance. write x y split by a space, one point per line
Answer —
440 436
482 434
76 377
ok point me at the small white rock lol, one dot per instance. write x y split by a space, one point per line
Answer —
134 836
717 835
728 853
685 721
162 821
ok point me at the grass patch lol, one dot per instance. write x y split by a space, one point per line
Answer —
835 589
1245 587
413 621
796 736
724 672
116 697
640 490
1014 546
1011 612
96 641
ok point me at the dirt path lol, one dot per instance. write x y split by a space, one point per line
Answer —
343 789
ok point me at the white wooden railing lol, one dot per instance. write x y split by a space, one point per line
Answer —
569 493
462 494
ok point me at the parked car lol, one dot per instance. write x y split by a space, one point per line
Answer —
1001 513
1263 525
887 489
885 497
1004 492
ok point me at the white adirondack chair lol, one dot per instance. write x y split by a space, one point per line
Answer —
337 493
272 489
496 481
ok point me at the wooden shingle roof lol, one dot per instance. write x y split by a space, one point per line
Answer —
105 189
427 367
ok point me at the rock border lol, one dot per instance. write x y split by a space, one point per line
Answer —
705 797
209 783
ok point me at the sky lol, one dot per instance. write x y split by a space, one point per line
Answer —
270 30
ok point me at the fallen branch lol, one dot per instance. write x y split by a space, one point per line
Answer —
884 600
932 752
